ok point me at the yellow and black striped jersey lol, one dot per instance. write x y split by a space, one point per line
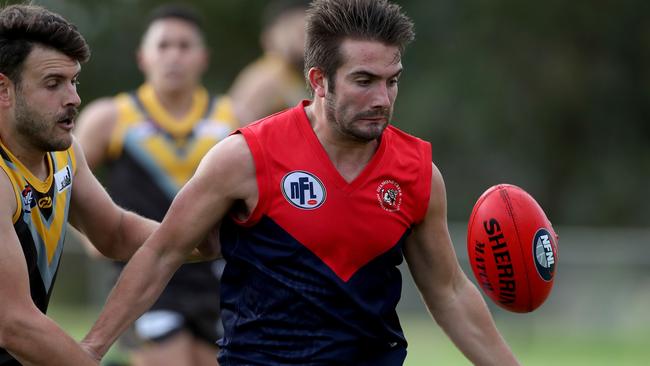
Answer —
41 216
152 154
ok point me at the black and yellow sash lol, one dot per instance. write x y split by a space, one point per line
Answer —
41 216
152 154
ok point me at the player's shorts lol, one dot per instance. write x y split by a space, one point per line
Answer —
190 302
392 357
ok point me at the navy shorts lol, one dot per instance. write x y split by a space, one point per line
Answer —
190 302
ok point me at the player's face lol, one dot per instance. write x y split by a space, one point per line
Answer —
173 55
47 100
365 87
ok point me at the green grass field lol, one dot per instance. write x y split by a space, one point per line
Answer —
428 346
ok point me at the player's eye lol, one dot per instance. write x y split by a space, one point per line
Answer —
363 82
184 46
52 84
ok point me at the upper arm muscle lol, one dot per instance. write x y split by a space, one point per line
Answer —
92 211
14 284
94 129
429 250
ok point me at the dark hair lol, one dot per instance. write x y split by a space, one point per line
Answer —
329 22
176 11
23 26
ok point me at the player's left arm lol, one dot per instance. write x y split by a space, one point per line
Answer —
115 232
452 299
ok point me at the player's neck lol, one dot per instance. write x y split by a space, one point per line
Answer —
349 156
29 156
176 102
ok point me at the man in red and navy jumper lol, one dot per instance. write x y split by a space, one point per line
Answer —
318 205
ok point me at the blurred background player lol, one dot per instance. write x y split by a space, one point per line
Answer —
275 80
150 141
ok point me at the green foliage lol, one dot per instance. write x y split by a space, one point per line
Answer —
551 96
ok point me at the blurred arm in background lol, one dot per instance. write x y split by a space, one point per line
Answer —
275 80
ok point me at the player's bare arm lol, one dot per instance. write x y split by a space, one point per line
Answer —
95 126
225 176
452 299
115 232
93 130
28 334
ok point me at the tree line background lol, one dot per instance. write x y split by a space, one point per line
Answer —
552 96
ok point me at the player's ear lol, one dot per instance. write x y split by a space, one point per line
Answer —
6 91
318 81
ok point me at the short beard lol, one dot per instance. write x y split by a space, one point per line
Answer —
344 127
33 126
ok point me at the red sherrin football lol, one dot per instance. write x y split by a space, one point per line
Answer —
512 248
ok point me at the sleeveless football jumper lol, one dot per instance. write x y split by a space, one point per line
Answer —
311 276
151 156
40 219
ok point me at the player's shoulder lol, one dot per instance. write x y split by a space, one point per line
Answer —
227 152
265 66
400 134
104 104
233 147
405 143
230 160
100 111
7 192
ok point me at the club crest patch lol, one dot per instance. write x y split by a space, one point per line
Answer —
389 195
303 190
28 199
